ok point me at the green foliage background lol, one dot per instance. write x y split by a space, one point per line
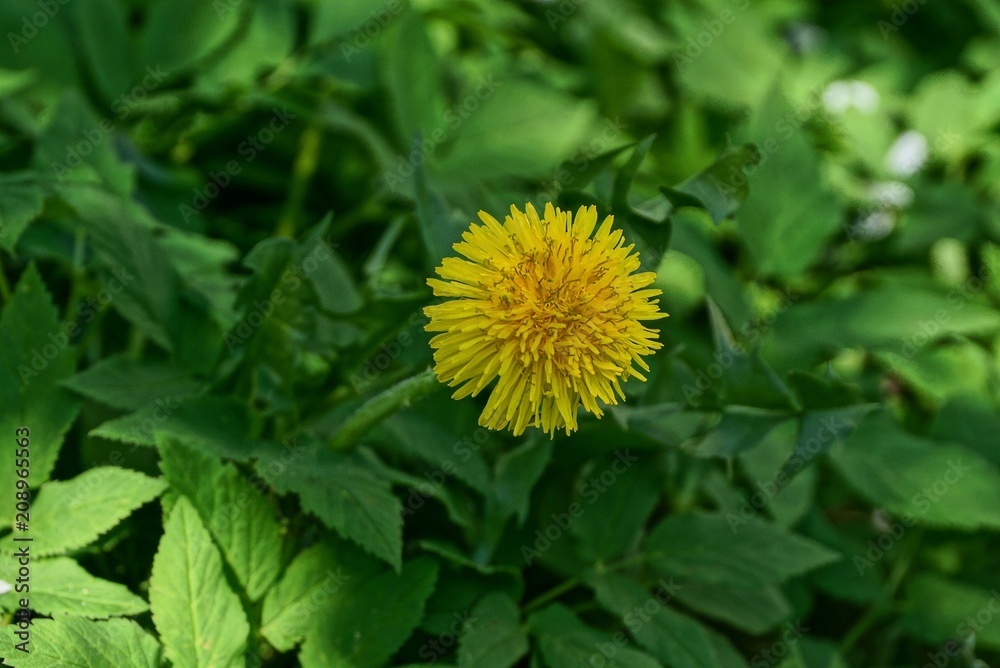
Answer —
216 223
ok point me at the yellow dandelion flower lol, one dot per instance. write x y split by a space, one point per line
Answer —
555 314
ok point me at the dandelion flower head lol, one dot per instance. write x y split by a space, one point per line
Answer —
552 312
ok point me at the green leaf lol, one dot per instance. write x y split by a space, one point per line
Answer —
938 609
566 641
78 147
102 31
240 519
714 189
610 523
414 83
179 34
81 643
942 484
517 471
366 625
34 357
21 200
742 428
495 638
731 550
317 575
199 618
348 498
755 610
625 176
130 384
61 586
670 636
69 515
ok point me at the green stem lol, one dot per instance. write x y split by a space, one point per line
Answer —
552 594
302 172
4 287
381 406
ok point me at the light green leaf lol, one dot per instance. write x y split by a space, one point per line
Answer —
199 618
938 609
68 515
495 638
731 550
942 485
240 519
62 586
178 34
81 643
34 357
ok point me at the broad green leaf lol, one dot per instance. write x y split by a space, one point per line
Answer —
755 610
21 200
68 515
317 577
610 523
238 516
179 34
348 498
731 550
61 586
366 624
34 357
942 484
495 638
939 609
104 40
670 636
566 641
130 384
200 620
971 421
74 641
414 84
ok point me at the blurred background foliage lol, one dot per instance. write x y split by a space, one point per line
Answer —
221 215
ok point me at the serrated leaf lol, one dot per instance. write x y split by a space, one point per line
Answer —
34 357
495 638
236 514
71 514
348 498
315 575
130 384
81 643
62 586
731 550
365 625
566 641
200 620
670 636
